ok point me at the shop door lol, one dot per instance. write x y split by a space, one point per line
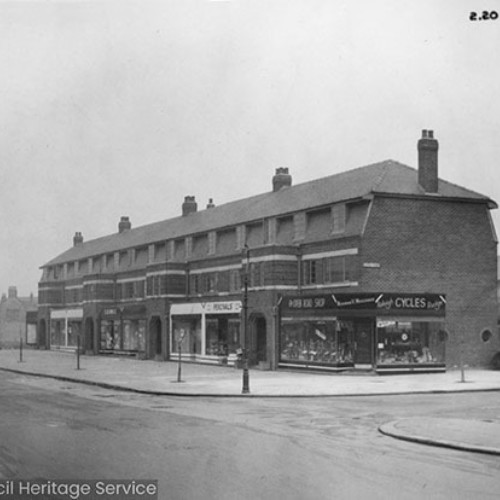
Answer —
363 342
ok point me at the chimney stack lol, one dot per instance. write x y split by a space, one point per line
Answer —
281 179
189 206
210 203
77 239
428 162
124 224
12 292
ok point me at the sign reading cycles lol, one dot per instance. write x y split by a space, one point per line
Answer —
434 304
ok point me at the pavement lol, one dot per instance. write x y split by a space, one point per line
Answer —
161 378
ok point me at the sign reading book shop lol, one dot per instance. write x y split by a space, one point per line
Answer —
425 304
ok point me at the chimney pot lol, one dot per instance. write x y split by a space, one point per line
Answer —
189 206
428 162
77 239
281 179
210 203
124 224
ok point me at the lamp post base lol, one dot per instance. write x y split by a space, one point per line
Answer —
246 378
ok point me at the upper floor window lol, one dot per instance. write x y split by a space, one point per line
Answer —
328 270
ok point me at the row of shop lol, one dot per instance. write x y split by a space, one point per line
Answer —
389 332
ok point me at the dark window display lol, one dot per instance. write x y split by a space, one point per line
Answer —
110 335
57 332
187 330
317 341
222 335
64 334
74 330
409 342
129 335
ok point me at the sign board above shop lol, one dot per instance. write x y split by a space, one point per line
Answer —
419 304
227 307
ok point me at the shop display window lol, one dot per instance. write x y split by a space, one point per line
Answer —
316 341
134 335
409 342
222 335
74 330
57 332
187 330
110 335
64 334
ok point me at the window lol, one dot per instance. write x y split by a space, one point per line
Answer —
329 270
402 342
235 280
311 341
486 335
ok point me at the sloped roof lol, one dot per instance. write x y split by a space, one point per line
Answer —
388 177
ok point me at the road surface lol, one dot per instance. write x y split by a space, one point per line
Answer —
211 448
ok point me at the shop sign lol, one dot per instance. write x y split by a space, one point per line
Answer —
66 313
232 307
110 312
429 304
315 302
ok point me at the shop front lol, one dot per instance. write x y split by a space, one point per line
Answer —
65 328
206 331
386 332
123 330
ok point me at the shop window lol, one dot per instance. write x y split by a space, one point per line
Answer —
316 341
222 335
186 331
403 342
57 333
64 334
486 335
128 336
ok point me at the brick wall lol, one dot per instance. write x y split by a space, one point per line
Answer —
438 247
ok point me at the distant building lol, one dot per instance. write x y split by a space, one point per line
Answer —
384 267
14 312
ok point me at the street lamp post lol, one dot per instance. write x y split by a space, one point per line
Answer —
246 375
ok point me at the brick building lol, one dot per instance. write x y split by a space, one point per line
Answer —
15 319
383 267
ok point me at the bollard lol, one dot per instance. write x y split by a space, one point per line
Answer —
78 352
20 349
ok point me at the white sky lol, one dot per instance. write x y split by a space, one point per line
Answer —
123 108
